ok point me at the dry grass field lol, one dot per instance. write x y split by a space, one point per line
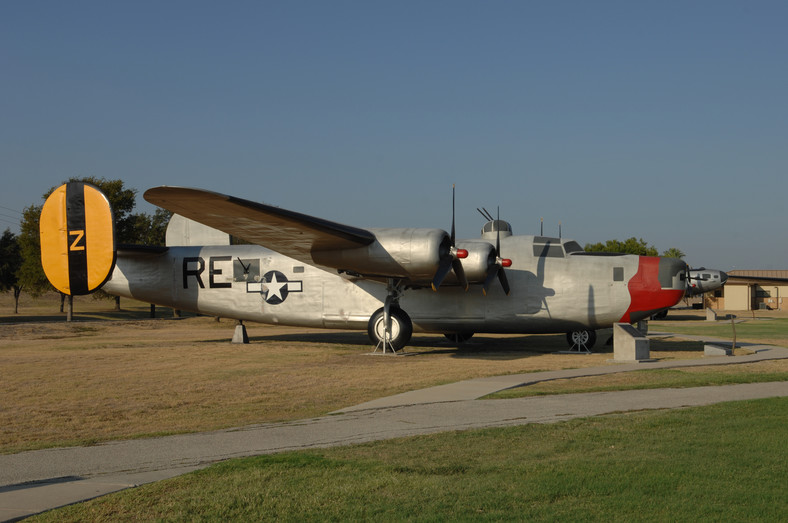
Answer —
112 374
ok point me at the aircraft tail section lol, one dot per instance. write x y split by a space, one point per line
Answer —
77 238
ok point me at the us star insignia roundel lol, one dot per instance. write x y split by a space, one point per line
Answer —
276 287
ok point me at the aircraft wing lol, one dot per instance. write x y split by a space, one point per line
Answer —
290 233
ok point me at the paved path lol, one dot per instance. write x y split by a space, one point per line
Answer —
35 481
479 387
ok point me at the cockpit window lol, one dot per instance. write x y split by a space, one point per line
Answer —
572 246
548 250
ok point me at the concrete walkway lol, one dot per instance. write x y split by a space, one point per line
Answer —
480 387
31 482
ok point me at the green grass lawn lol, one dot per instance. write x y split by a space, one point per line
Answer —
725 462
763 330
722 462
653 379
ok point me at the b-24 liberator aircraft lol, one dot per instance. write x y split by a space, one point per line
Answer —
700 281
300 270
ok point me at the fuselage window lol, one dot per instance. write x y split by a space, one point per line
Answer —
618 274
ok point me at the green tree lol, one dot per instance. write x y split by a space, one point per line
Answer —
10 262
151 229
674 252
31 273
631 246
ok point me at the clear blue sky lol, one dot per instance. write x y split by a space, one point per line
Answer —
661 120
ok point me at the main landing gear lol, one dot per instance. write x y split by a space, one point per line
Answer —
392 335
390 327
458 337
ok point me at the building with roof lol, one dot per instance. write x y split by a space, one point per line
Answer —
751 290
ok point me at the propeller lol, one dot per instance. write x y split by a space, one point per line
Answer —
450 257
497 264
690 277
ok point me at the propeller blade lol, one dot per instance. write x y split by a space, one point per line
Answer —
460 272
450 255
504 281
453 243
444 268
499 262
498 234
490 277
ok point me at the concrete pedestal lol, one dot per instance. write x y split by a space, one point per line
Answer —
240 335
629 344
717 349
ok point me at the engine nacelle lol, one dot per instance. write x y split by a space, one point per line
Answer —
407 253
481 256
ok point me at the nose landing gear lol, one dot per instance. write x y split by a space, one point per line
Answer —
581 341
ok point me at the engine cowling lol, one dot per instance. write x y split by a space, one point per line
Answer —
481 255
405 253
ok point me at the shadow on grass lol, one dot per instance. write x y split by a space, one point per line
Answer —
661 345
480 346
129 315
678 316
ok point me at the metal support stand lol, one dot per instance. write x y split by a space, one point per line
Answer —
579 343
577 348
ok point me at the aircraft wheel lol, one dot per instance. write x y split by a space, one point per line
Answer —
401 328
581 338
458 337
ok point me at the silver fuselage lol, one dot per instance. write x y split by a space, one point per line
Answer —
549 293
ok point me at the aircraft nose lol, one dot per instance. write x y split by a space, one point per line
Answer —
656 286
723 277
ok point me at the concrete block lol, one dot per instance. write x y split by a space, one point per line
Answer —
240 335
715 349
711 314
629 344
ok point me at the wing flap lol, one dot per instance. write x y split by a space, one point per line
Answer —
290 233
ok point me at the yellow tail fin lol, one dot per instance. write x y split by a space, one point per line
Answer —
77 238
